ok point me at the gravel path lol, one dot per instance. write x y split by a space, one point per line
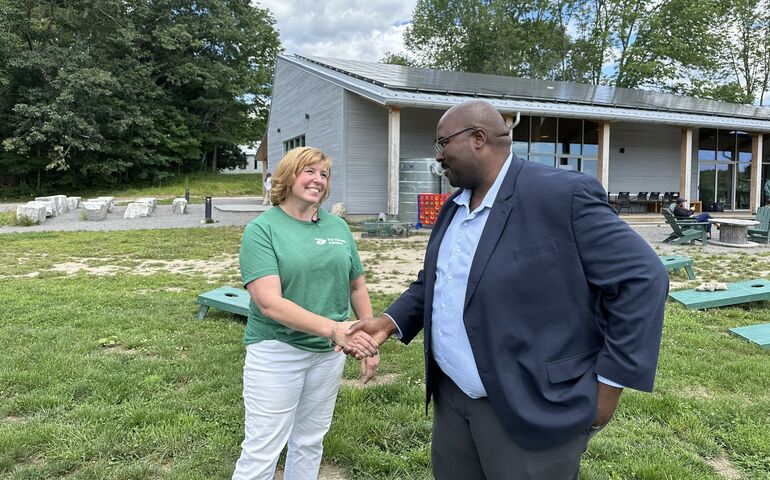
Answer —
161 218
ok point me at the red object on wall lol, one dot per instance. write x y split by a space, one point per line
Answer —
428 206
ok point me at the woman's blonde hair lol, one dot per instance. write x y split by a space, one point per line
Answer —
290 167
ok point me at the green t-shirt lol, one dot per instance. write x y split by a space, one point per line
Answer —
315 261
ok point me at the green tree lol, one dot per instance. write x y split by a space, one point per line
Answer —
745 55
109 91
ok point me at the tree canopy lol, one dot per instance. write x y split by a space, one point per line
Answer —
107 91
706 48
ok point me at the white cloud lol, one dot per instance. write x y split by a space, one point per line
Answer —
350 29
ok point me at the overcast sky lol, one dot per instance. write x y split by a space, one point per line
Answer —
349 29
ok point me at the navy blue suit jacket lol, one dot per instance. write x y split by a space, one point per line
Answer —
560 290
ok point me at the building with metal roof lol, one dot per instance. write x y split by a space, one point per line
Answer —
378 122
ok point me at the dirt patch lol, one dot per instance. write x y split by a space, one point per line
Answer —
147 291
698 391
385 379
92 266
724 468
328 472
392 264
119 350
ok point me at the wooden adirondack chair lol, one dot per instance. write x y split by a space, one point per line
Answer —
762 231
684 233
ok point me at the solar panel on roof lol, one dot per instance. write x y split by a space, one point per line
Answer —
398 77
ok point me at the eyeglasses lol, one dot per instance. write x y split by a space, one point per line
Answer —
442 142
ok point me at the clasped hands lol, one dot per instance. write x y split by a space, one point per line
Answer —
362 338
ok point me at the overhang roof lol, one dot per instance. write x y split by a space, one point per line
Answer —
400 86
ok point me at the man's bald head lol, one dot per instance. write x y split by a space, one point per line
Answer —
481 114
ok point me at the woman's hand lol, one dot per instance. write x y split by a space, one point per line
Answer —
360 343
369 368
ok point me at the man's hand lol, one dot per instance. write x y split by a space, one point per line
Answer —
378 329
369 368
607 401
358 343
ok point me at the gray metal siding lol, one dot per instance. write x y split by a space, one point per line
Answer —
418 131
367 156
650 162
296 93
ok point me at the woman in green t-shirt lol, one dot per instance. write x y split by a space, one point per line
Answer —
301 267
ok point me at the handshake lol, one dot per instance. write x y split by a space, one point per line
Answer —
362 339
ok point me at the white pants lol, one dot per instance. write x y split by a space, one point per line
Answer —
288 395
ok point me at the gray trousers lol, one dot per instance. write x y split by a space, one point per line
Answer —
470 443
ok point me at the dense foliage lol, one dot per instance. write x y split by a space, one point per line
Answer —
100 92
707 48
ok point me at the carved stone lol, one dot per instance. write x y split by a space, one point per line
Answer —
179 206
95 211
35 211
136 209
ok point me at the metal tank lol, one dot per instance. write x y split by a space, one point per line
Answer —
418 175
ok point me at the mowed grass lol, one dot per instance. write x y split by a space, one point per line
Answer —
201 184
106 374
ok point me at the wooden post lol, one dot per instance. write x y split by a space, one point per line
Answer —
685 164
603 170
755 199
394 141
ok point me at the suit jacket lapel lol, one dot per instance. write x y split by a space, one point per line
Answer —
498 218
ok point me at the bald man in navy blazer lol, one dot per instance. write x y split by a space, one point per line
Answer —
538 305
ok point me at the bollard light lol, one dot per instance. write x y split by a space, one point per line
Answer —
208 209
187 194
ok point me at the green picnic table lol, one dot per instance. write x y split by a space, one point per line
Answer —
228 299
736 293
675 262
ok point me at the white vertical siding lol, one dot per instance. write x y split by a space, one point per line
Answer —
650 162
296 93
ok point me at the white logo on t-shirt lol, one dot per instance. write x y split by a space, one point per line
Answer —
330 241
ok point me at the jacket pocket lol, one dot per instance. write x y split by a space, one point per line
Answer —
571 367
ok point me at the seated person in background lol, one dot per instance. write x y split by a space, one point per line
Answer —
683 210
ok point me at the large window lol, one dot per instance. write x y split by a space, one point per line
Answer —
568 143
724 167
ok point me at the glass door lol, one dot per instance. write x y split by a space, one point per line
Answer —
715 183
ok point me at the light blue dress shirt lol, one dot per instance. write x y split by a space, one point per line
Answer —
449 340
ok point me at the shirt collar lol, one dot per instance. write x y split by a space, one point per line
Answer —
464 198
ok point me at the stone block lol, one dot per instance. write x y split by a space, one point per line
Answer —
110 201
151 201
95 211
73 203
136 209
58 204
35 211
179 206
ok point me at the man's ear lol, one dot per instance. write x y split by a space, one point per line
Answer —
479 138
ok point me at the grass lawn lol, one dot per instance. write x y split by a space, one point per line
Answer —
200 185
105 373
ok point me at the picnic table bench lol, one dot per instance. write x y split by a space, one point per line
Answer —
228 299
736 293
